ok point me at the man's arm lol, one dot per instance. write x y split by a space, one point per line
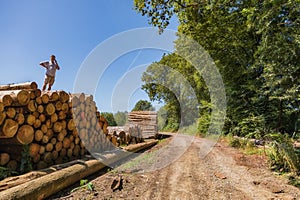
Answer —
57 67
44 64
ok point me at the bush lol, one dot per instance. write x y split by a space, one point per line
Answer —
282 155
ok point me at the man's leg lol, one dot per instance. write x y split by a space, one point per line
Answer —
44 86
51 82
46 81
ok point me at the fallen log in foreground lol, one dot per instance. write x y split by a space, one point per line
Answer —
52 183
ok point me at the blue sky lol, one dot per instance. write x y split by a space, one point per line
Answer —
32 30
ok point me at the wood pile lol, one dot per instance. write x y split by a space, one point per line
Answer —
125 135
56 126
147 120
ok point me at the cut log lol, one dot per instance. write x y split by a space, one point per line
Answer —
40 108
32 105
50 109
37 123
58 105
25 134
54 96
54 118
12 165
4 158
39 100
1 107
20 119
48 157
19 86
42 117
66 143
2 117
38 135
6 99
10 112
10 128
57 127
23 97
30 119
42 150
45 98
54 155
63 96
49 147
34 149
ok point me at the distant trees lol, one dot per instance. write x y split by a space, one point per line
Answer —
121 118
143 105
110 118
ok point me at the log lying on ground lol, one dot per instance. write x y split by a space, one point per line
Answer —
52 183
19 86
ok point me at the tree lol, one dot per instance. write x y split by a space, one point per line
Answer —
121 118
255 45
143 105
110 118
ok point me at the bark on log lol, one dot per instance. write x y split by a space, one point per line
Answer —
19 86
1 107
2 117
54 182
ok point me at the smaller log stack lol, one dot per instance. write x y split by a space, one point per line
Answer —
57 127
125 135
147 120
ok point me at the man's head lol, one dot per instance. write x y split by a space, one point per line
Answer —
52 57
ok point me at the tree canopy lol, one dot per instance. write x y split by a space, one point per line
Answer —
143 105
255 46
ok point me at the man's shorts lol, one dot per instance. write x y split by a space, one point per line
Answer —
49 80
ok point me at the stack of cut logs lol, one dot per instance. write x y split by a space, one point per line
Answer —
147 120
125 135
56 126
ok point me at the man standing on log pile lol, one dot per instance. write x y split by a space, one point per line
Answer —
51 67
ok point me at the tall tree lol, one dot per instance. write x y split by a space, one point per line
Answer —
143 105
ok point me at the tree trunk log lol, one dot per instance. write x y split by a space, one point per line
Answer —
25 134
10 128
19 86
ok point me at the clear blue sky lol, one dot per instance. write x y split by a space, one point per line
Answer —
32 30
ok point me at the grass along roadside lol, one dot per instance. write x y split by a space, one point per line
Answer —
282 158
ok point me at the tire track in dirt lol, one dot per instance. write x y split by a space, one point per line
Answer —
205 170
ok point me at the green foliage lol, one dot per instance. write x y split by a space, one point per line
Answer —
251 127
84 183
121 118
6 172
256 47
110 118
282 154
26 164
143 105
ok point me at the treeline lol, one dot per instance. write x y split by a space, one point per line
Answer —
256 48
255 45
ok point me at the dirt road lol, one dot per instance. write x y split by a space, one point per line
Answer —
201 170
